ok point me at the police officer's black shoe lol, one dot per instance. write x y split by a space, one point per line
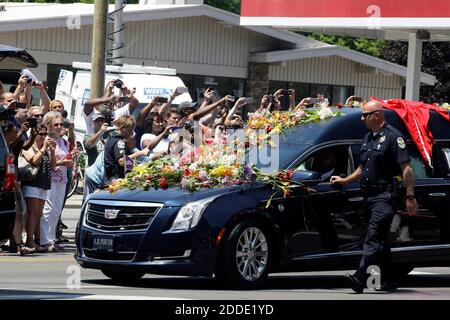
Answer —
354 283
387 286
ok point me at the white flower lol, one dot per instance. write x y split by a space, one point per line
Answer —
445 105
356 104
325 113
193 166
324 104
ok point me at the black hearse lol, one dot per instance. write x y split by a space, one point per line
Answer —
228 232
12 61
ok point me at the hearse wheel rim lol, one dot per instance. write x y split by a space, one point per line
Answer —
252 254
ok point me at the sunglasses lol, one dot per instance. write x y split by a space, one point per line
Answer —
38 115
57 124
366 114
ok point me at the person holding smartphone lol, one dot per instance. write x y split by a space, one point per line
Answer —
55 197
42 156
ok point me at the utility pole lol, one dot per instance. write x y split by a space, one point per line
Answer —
118 46
98 48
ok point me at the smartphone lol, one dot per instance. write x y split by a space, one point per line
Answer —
232 98
124 99
53 134
314 100
248 100
182 90
161 99
32 122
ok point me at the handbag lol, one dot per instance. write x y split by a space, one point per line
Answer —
26 171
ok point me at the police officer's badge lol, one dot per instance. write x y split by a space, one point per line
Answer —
121 144
382 139
401 143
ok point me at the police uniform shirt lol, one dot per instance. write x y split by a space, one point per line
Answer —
381 155
113 152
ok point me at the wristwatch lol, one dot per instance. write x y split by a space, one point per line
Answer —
410 196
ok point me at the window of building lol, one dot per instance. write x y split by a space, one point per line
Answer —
221 85
334 93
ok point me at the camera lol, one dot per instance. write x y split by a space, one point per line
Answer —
118 83
21 105
66 124
189 126
32 122
287 92
271 98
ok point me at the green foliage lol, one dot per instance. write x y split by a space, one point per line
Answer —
367 46
227 5
435 61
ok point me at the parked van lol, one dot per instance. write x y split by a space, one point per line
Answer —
148 81
233 235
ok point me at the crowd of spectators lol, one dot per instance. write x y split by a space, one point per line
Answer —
118 134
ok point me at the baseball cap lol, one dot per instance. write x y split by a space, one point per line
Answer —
186 105
97 116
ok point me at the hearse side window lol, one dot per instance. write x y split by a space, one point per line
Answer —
446 154
420 170
328 161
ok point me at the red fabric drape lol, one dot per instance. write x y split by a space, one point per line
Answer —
415 115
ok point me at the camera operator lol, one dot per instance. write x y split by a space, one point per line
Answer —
95 143
269 103
109 104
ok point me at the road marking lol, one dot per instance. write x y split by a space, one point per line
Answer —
6 259
81 296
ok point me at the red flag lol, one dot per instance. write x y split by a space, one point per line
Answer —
415 115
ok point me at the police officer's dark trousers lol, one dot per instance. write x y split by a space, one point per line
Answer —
377 251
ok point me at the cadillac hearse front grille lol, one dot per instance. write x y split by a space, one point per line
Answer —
120 215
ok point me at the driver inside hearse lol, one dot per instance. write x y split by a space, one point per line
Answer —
327 162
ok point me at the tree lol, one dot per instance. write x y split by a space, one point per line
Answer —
435 61
367 46
227 5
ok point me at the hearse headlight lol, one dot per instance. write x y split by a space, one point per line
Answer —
190 214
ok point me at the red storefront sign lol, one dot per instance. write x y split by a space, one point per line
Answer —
347 13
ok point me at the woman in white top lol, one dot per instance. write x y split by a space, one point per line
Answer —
156 136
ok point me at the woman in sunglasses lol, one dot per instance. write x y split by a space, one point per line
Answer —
42 156
55 196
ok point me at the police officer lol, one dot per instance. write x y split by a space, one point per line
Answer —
383 154
121 145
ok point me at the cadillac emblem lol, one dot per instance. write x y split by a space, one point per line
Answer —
111 213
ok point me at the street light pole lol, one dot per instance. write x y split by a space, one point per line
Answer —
99 48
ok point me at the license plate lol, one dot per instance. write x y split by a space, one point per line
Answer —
102 243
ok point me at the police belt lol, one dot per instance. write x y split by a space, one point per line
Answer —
374 189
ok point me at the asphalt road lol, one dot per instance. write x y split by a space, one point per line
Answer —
54 276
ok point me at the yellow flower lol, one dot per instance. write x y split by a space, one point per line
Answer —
221 171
